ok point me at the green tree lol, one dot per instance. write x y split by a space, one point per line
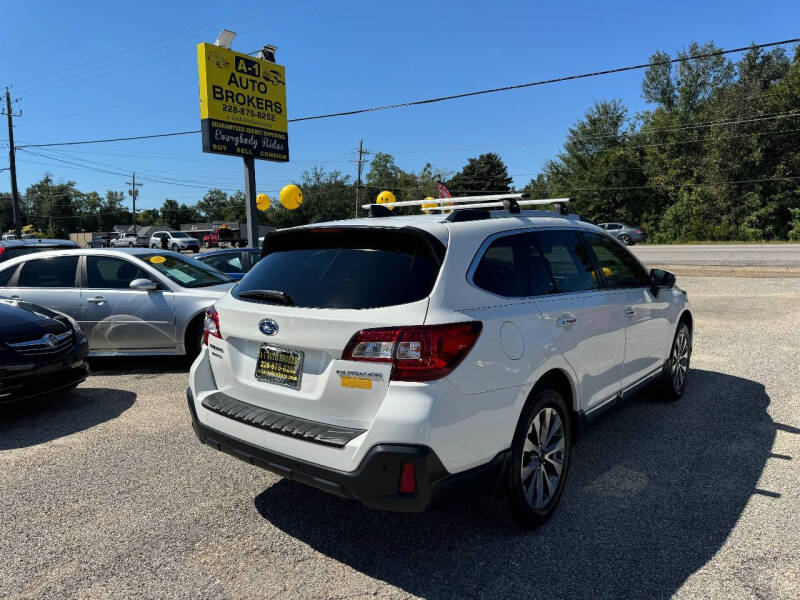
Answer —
51 207
149 216
234 207
486 174
211 206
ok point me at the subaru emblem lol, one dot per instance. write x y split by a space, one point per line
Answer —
51 339
268 327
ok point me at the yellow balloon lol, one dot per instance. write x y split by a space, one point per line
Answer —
386 197
291 196
262 202
426 206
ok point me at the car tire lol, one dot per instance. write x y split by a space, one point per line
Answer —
153 246
175 248
130 244
625 239
206 245
194 337
675 373
535 478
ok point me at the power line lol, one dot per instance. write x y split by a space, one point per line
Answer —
459 96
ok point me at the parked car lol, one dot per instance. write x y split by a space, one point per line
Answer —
222 236
176 241
42 352
100 241
234 262
126 240
12 248
626 234
403 361
127 301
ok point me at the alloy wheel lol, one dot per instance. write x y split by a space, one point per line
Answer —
679 360
542 458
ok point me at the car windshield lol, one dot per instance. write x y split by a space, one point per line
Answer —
184 272
346 268
179 234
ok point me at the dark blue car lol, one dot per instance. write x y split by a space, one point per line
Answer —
234 262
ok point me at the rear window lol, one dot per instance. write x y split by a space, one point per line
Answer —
15 251
346 268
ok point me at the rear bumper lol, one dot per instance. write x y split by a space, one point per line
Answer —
376 480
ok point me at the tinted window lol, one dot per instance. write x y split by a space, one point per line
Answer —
9 253
49 272
114 273
185 272
346 267
619 266
614 226
568 259
511 266
503 268
227 263
6 274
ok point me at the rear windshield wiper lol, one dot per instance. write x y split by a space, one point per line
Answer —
272 295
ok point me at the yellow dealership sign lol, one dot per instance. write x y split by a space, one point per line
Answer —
242 104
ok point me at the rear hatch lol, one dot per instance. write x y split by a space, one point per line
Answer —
294 313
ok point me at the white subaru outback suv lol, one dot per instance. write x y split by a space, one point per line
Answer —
408 360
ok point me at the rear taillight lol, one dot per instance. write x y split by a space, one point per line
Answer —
211 325
418 353
639 231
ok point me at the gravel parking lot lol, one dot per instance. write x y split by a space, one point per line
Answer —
107 493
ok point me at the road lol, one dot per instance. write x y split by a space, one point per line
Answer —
725 255
107 494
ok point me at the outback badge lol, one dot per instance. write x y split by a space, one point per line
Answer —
268 327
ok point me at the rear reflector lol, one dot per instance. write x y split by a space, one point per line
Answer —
408 478
417 353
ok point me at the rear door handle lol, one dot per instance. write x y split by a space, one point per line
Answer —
566 322
96 300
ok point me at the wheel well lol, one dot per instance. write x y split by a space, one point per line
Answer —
557 380
686 317
190 327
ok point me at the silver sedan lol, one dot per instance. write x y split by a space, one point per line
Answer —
128 301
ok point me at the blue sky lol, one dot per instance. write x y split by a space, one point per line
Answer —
87 70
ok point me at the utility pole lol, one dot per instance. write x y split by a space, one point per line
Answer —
361 154
134 192
13 163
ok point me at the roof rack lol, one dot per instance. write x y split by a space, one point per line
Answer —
509 202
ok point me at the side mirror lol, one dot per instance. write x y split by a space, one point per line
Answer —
143 284
661 279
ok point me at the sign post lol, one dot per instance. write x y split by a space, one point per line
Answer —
243 113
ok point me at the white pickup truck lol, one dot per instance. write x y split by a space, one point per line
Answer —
126 240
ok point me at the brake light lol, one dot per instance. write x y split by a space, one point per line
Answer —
417 353
639 231
211 325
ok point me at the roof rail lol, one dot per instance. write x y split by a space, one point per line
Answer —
509 202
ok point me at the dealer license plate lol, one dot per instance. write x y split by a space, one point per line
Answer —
279 365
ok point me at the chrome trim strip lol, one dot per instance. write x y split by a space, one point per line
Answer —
42 341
